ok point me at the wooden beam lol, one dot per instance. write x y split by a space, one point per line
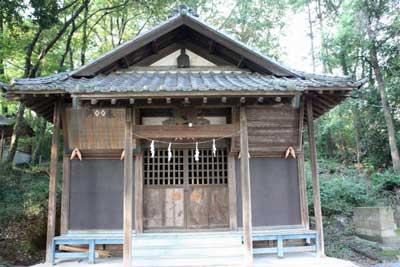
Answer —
232 192
211 47
315 181
65 195
183 131
158 95
128 190
154 47
139 194
51 216
240 63
246 188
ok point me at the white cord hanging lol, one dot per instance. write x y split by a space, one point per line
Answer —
169 152
214 149
197 153
152 149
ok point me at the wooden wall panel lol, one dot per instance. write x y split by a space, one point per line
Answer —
91 128
271 128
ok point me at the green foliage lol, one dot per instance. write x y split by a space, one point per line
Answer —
23 192
342 188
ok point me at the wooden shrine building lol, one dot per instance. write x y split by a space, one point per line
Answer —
183 134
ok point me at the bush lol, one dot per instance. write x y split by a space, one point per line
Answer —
342 188
340 196
387 185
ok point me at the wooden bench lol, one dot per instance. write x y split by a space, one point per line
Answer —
280 236
91 241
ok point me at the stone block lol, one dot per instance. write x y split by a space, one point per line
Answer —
375 224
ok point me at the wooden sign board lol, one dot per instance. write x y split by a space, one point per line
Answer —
96 128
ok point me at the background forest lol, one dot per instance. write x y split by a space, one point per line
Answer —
357 141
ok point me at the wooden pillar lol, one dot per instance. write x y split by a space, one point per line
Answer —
139 194
246 190
65 195
128 189
315 182
232 193
300 170
51 215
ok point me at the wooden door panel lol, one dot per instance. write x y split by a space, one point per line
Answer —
163 207
152 210
218 214
174 207
197 207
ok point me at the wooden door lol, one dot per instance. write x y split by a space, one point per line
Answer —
184 193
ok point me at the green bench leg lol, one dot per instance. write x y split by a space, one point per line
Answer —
280 246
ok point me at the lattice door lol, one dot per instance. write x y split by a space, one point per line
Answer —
185 193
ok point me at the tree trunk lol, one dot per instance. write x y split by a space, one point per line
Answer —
84 35
356 122
39 141
311 34
394 151
16 133
1 43
330 145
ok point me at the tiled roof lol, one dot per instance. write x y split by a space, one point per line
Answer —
149 80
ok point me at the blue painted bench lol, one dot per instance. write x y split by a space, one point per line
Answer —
280 236
91 241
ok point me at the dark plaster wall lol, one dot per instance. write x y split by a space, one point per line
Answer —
275 196
96 196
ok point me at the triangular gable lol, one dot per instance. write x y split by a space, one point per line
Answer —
183 31
171 60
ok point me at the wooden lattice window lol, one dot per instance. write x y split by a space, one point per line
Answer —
159 172
184 169
209 170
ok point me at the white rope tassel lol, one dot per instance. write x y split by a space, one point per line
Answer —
169 152
214 149
197 153
152 149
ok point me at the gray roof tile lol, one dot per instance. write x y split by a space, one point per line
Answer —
175 80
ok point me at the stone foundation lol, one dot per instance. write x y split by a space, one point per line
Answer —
397 216
375 224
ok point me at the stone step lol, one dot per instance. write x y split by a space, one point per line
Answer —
188 252
188 249
232 261
188 242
